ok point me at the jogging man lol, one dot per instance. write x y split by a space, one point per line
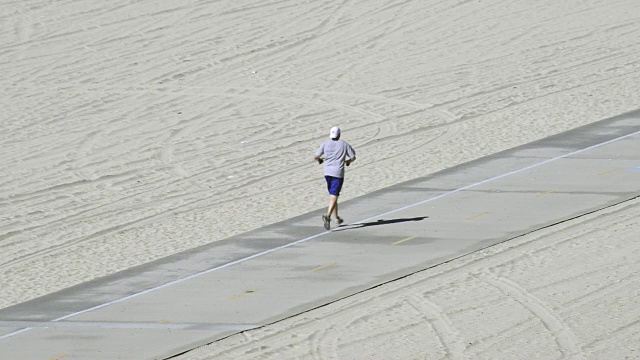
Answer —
335 153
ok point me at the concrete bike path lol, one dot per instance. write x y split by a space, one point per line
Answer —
160 309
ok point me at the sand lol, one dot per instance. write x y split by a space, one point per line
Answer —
135 130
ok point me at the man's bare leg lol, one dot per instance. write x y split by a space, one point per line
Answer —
334 212
333 205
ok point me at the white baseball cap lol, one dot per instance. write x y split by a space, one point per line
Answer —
335 132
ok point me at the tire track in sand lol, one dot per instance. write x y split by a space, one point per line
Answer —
567 342
441 324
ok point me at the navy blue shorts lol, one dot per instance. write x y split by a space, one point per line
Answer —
334 185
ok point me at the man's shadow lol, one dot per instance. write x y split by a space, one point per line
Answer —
380 222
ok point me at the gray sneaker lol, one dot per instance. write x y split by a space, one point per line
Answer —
340 221
327 222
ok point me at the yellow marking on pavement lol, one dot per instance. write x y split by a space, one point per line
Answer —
59 357
403 240
477 216
545 193
608 172
243 294
324 267
164 322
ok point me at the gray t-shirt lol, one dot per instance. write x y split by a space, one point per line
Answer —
335 152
